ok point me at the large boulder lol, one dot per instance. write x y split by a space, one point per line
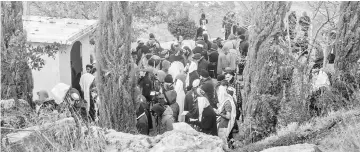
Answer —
294 148
182 138
60 134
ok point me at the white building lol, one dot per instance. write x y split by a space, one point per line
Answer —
73 34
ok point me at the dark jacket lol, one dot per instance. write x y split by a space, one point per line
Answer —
146 85
210 92
143 122
208 122
192 76
243 48
179 58
191 106
203 64
213 56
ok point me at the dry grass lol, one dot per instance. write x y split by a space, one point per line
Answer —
344 139
337 131
59 136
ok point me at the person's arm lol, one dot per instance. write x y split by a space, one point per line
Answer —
228 111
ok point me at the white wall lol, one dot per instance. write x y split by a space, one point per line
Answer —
48 76
58 70
64 66
87 49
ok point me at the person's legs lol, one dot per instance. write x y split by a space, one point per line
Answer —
222 135
241 69
227 33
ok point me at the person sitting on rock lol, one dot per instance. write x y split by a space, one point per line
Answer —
164 116
207 116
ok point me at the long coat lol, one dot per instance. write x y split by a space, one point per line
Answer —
225 61
208 122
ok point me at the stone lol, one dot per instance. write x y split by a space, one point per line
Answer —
182 138
294 148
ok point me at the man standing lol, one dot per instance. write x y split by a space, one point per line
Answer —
234 89
208 87
202 63
190 104
243 49
228 22
213 59
203 21
226 59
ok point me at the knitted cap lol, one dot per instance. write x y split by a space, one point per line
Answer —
168 79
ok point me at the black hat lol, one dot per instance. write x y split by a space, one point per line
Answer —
204 73
220 77
197 56
197 50
207 87
168 79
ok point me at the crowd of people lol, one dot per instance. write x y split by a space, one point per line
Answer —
197 85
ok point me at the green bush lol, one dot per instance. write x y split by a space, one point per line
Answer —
185 25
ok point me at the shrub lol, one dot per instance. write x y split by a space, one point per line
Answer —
184 25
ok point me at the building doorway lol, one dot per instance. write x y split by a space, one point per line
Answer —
76 65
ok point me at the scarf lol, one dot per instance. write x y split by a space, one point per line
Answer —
193 67
202 103
180 97
223 96
85 83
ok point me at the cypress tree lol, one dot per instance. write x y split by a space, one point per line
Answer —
347 47
115 78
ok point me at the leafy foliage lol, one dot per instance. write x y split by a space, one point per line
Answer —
18 57
184 25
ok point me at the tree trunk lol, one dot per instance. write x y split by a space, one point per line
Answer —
16 76
348 38
116 90
347 47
